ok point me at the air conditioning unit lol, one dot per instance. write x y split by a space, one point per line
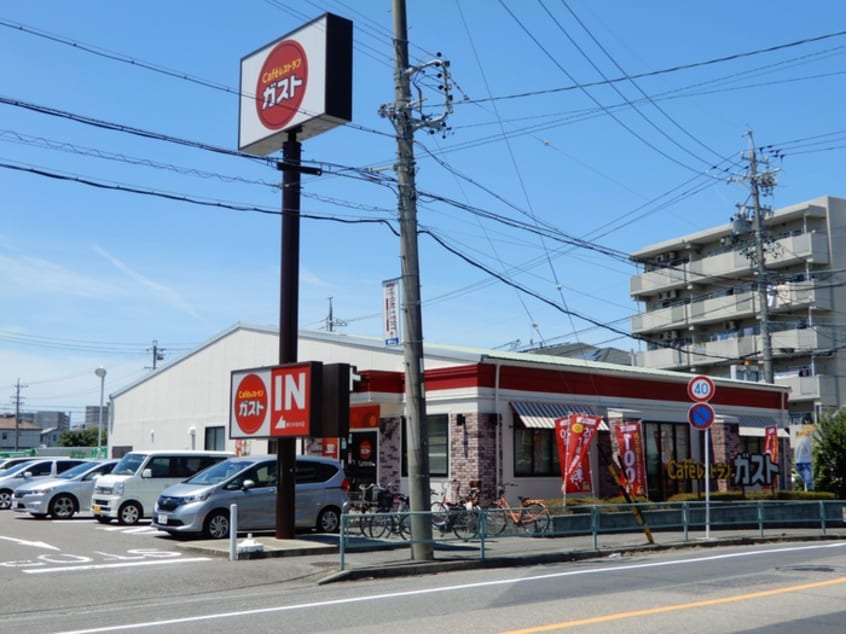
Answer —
670 334
668 294
730 325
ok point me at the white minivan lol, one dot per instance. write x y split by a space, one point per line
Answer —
129 492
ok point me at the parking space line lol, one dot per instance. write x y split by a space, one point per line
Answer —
191 560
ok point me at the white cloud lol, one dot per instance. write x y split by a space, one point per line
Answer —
165 293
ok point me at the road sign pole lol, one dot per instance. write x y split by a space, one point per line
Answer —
706 435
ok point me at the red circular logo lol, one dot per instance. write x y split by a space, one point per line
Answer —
365 450
250 403
281 85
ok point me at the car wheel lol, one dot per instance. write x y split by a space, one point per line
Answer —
129 513
216 525
329 520
5 499
63 507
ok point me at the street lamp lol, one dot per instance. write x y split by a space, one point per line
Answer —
101 372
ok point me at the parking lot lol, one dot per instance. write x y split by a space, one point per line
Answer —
40 546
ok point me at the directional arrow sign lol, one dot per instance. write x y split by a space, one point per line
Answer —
700 415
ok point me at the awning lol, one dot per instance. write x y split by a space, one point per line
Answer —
758 432
542 415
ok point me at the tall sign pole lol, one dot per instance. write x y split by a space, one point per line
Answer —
289 289
292 89
415 405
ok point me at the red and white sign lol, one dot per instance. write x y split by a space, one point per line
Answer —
630 441
302 81
701 388
574 435
271 402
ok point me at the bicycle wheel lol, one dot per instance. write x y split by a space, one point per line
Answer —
440 516
378 525
496 519
535 519
465 524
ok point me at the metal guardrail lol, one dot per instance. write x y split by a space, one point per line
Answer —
681 518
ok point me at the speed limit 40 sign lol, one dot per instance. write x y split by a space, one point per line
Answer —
701 388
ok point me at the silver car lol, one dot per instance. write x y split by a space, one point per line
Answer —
200 505
27 472
63 496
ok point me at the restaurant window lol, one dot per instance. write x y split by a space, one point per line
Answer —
215 439
535 452
438 427
666 442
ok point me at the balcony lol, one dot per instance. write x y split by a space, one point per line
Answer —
796 340
795 295
663 358
821 388
661 319
804 247
723 308
659 280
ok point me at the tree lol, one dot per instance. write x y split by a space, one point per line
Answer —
86 437
829 461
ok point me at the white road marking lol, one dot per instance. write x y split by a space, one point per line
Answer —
24 542
127 564
463 586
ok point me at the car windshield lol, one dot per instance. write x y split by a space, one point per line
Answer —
12 463
18 468
219 472
129 464
79 469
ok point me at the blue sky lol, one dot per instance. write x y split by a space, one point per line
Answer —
91 274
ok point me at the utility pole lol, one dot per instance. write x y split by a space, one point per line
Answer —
158 353
401 113
18 400
757 253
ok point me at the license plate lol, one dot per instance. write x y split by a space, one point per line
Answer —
95 509
162 520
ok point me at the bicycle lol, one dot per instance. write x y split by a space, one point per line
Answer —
460 517
390 516
532 515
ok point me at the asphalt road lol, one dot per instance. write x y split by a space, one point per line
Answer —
79 576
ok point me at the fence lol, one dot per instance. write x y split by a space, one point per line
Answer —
584 527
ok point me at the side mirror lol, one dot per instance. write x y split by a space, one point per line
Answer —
147 473
27 474
248 484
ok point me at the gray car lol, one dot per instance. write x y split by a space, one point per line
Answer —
25 473
200 505
63 496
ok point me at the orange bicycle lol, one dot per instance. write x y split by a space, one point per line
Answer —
532 515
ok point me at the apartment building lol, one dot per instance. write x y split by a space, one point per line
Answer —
700 303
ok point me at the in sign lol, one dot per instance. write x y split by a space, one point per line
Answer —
701 388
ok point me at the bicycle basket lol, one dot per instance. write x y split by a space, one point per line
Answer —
384 499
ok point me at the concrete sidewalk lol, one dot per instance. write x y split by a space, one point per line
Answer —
318 555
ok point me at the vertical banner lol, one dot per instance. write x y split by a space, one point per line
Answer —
771 448
630 442
390 308
802 441
573 436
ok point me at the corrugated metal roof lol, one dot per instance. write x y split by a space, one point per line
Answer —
542 414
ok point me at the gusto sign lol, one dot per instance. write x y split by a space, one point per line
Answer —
271 402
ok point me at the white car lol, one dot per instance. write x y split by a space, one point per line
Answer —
63 496
29 472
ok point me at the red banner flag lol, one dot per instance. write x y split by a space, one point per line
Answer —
771 447
574 435
630 442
